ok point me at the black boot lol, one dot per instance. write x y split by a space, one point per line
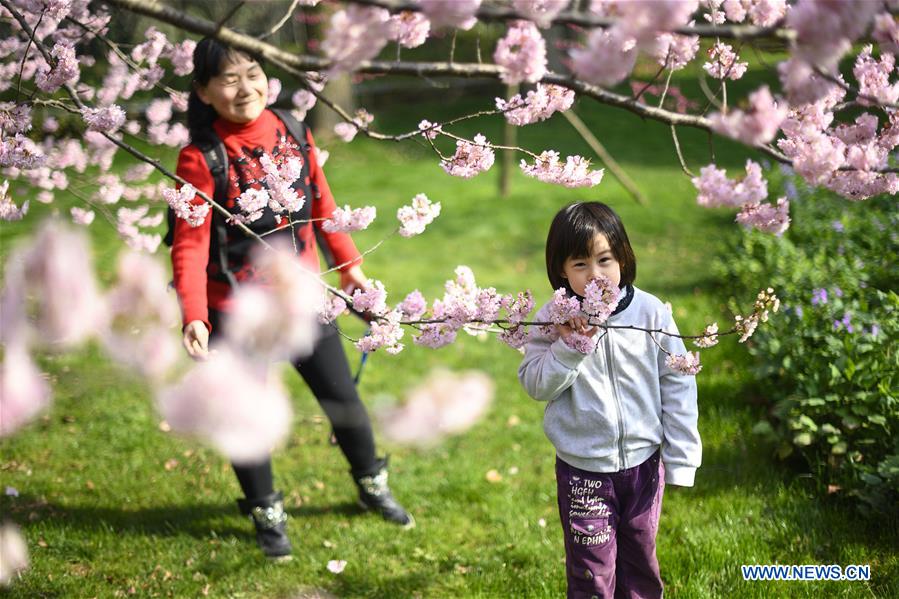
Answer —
270 520
375 494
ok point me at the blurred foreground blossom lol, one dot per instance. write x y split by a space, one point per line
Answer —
336 565
446 403
24 392
231 403
13 553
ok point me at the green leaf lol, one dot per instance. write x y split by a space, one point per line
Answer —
839 448
803 439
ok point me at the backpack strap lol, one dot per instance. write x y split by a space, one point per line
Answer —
217 160
297 130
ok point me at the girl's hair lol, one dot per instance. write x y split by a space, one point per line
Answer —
572 232
210 56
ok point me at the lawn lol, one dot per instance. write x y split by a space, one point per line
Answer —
113 506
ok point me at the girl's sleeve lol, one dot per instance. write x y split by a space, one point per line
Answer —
549 366
681 447
340 244
190 248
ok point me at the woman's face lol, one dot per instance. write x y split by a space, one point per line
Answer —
239 93
578 271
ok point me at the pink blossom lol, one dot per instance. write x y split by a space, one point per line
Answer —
107 119
15 118
274 89
413 306
8 209
128 225
159 110
355 35
80 216
874 77
276 317
584 344
333 307
600 299
384 333
563 308
825 30
20 152
418 215
766 217
521 54
24 391
110 190
541 12
859 185
450 13
14 550
540 104
518 306
758 125
186 204
138 172
372 298
675 51
723 63
715 189
643 20
347 220
50 124
303 102
227 401
446 403
252 203
686 364
429 130
345 131
410 29
65 71
736 10
151 50
470 159
709 338
141 315
516 337
48 281
765 13
574 173
436 335
817 157
179 101
886 33
608 58
182 57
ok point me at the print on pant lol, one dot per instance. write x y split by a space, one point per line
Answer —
610 523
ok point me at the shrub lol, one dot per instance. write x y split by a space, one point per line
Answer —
828 363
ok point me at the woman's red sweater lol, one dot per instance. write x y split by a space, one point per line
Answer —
244 142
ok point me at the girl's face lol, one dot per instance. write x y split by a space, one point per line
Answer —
579 270
239 93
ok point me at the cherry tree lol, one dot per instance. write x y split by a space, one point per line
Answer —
835 131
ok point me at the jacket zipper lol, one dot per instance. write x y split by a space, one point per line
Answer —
614 384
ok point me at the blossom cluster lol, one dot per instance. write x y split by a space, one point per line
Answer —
470 159
538 105
521 54
574 172
418 215
347 220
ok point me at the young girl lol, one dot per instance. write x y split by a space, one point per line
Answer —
622 422
228 105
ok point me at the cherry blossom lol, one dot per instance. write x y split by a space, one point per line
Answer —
541 12
608 58
186 204
470 159
724 63
65 70
539 104
769 218
418 215
709 338
446 403
686 364
521 54
759 124
355 35
107 119
410 29
575 172
450 13
14 550
715 189
600 299
24 392
347 220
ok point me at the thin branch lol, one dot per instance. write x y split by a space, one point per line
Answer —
280 23
680 156
604 155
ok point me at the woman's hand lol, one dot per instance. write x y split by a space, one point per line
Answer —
196 340
353 278
578 324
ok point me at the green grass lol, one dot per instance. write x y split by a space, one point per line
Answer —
112 506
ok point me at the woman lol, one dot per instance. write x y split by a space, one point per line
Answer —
228 106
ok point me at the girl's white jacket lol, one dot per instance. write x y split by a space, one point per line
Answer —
612 409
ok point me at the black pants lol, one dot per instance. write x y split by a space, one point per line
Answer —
327 373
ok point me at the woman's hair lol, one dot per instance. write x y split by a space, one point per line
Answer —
210 56
572 232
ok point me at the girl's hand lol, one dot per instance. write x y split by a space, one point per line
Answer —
578 324
351 279
196 340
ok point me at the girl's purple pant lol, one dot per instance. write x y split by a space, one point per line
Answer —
610 523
